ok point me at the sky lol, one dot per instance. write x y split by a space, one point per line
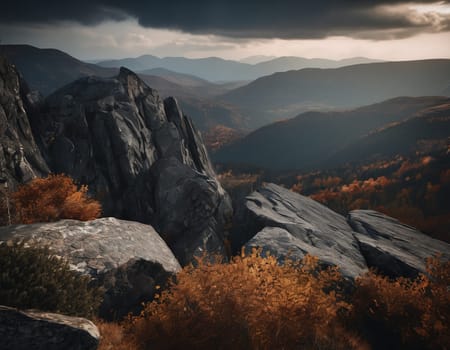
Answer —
232 29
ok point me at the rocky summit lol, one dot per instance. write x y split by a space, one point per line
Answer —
289 225
139 155
128 259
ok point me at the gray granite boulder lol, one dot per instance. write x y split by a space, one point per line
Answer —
289 224
281 243
134 151
31 329
128 259
393 248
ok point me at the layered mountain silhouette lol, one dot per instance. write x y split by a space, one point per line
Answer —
217 69
283 95
243 108
324 139
47 70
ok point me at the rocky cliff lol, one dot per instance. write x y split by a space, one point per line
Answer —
20 158
139 155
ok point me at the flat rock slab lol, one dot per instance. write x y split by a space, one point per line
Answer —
97 246
393 248
25 330
127 258
298 225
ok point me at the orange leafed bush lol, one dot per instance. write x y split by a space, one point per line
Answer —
53 198
254 303
404 313
249 303
113 337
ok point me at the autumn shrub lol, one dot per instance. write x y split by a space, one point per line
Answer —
250 303
32 278
405 313
53 198
113 337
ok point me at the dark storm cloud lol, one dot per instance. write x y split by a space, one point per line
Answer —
241 19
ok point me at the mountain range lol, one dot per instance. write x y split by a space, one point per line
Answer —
47 70
219 70
286 94
317 140
256 103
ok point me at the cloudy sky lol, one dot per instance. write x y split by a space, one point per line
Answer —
234 29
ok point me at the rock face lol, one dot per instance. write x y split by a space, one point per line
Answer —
24 330
20 158
394 248
290 225
139 156
127 258
294 225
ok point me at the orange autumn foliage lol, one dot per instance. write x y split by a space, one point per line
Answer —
249 303
53 198
254 303
113 337
405 313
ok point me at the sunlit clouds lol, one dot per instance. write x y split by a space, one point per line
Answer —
403 31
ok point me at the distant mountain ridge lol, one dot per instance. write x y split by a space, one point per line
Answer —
286 94
47 70
317 140
217 69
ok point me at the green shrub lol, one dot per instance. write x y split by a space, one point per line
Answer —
32 278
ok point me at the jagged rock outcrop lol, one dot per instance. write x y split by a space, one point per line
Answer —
20 158
31 329
127 259
290 225
393 248
139 156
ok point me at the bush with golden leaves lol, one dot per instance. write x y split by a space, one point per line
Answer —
254 303
405 313
250 303
53 198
